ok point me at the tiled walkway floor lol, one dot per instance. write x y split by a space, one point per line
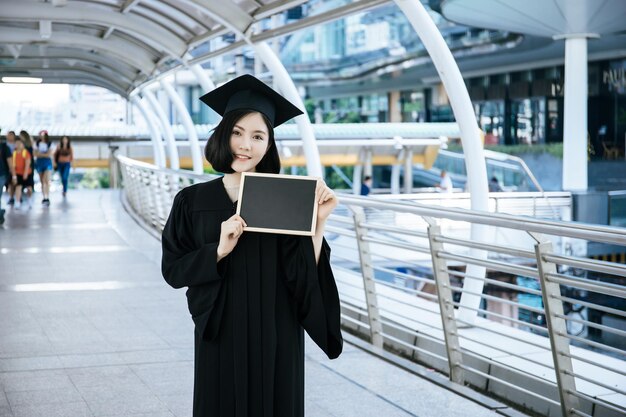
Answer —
89 328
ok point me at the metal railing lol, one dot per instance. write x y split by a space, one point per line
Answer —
549 332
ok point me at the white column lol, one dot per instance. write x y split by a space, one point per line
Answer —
202 77
357 175
408 171
395 173
288 88
155 137
367 168
575 114
192 135
168 133
472 147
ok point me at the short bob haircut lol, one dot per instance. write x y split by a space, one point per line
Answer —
219 154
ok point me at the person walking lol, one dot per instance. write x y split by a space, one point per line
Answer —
366 185
64 155
9 183
445 184
249 294
6 172
28 186
43 153
22 170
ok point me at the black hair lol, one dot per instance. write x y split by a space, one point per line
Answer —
219 154
45 137
69 142
367 177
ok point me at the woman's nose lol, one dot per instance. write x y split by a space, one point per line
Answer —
245 144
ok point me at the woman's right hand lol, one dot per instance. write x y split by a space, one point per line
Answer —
229 236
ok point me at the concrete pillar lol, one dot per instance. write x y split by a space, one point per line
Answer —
155 136
357 175
166 127
192 135
395 110
575 113
408 171
464 114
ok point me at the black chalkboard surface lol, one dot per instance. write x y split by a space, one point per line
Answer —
274 203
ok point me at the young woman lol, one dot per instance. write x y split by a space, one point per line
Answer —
64 156
28 185
249 294
43 153
22 169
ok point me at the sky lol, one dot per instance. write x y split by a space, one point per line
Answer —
14 96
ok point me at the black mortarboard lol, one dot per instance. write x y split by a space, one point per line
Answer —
247 92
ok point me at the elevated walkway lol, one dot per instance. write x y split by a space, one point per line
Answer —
89 328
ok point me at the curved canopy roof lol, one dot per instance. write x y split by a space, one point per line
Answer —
120 44
547 18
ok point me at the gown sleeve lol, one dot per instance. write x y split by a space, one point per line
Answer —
315 292
188 264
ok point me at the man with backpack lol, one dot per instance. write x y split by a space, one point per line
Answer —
6 169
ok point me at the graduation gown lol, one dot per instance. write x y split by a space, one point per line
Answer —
249 309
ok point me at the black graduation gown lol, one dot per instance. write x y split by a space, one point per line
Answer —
249 309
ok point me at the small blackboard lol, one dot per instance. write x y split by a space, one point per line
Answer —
273 203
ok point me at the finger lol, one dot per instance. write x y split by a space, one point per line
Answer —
241 221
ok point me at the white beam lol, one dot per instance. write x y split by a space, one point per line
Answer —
155 137
45 29
70 72
73 56
228 13
122 50
144 30
108 72
108 32
288 88
472 146
128 5
14 50
192 135
168 133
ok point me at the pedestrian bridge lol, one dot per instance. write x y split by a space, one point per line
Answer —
90 328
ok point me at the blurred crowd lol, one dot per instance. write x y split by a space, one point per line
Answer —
21 157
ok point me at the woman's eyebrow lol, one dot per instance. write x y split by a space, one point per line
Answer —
256 131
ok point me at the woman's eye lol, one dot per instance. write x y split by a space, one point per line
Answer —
258 137
236 133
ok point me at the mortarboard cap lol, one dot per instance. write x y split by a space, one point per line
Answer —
247 92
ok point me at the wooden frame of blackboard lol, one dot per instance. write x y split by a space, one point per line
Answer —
242 202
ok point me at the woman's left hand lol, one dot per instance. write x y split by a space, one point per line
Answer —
326 200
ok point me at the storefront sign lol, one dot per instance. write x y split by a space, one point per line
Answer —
615 77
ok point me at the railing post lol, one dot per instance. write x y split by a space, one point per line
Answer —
557 330
369 286
114 168
444 296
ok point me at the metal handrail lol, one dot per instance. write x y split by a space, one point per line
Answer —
423 286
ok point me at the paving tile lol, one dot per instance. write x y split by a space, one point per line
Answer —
47 396
129 352
79 409
34 380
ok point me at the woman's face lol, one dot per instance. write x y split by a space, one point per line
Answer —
64 140
249 141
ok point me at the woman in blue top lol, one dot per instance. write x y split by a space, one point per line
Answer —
43 153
